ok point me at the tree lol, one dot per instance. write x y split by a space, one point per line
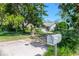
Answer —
32 13
70 14
2 9
12 22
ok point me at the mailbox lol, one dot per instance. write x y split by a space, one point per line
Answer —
54 39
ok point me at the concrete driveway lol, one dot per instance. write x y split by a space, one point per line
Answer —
21 48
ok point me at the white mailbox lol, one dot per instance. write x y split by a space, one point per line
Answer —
54 39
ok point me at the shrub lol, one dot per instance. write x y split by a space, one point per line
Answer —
62 25
65 51
61 51
69 39
50 51
38 31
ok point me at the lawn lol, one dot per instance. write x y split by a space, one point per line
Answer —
13 36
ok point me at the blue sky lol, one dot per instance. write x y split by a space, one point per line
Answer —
52 11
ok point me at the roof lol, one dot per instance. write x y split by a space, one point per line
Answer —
48 24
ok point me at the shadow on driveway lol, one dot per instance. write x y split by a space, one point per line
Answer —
38 44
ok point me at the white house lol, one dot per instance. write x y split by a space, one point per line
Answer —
48 27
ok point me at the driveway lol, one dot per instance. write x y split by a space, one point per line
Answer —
22 48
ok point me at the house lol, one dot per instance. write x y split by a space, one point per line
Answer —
48 26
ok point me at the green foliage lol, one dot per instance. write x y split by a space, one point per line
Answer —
8 22
12 22
65 51
50 51
62 25
70 14
61 51
27 29
15 17
18 22
39 31
70 38
68 45
69 41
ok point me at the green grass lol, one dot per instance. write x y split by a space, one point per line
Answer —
13 36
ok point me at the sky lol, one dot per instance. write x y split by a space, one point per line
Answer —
52 11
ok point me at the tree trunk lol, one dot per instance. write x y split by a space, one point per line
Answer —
32 30
23 28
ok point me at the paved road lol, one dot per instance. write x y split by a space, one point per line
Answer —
21 48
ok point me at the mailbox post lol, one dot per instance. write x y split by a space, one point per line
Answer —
54 40
55 49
